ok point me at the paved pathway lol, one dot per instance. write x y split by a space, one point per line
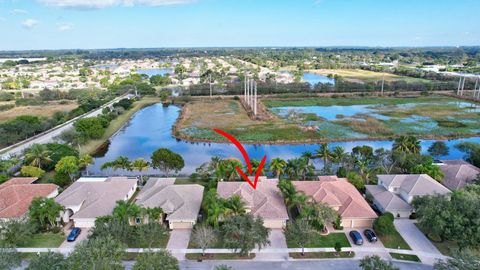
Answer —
417 241
277 241
179 239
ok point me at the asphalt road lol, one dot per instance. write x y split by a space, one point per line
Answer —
48 136
337 264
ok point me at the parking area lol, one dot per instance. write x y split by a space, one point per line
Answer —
83 235
366 243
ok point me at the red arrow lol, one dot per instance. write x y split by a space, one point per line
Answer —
246 158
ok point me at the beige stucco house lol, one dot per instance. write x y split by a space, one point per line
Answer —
91 197
341 196
265 201
180 203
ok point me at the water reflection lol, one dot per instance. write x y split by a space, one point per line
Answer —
150 129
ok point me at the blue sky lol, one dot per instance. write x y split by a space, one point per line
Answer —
65 24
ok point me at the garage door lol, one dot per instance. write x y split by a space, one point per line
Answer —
84 223
274 224
363 223
181 225
347 223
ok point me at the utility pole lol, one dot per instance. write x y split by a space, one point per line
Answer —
459 84
245 88
255 99
248 91
463 86
383 82
210 85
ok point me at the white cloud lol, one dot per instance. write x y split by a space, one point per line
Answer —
65 26
97 4
18 11
30 23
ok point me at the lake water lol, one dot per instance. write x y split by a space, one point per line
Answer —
155 71
150 129
313 78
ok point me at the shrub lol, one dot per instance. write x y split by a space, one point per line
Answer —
6 107
31 171
337 225
383 225
356 180
61 179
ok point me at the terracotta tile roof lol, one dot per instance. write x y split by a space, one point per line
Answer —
338 193
265 201
458 173
17 194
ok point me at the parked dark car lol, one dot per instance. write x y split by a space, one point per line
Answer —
370 235
356 237
74 233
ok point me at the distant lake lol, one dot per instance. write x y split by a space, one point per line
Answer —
155 71
313 78
151 128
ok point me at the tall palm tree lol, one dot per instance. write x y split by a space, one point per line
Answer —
308 155
323 152
84 161
407 144
291 169
38 155
339 155
304 167
140 165
277 166
255 164
122 162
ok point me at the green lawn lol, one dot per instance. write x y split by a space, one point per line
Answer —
405 257
45 240
321 255
160 242
321 241
218 256
394 240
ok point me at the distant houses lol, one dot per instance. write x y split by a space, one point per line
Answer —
17 194
395 192
179 203
89 198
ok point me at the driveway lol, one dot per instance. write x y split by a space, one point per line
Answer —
179 239
277 241
417 240
83 236
367 249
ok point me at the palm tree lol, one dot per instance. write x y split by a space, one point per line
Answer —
288 192
304 167
324 153
291 169
84 161
140 165
234 206
277 166
407 144
339 154
308 155
122 162
255 164
38 155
